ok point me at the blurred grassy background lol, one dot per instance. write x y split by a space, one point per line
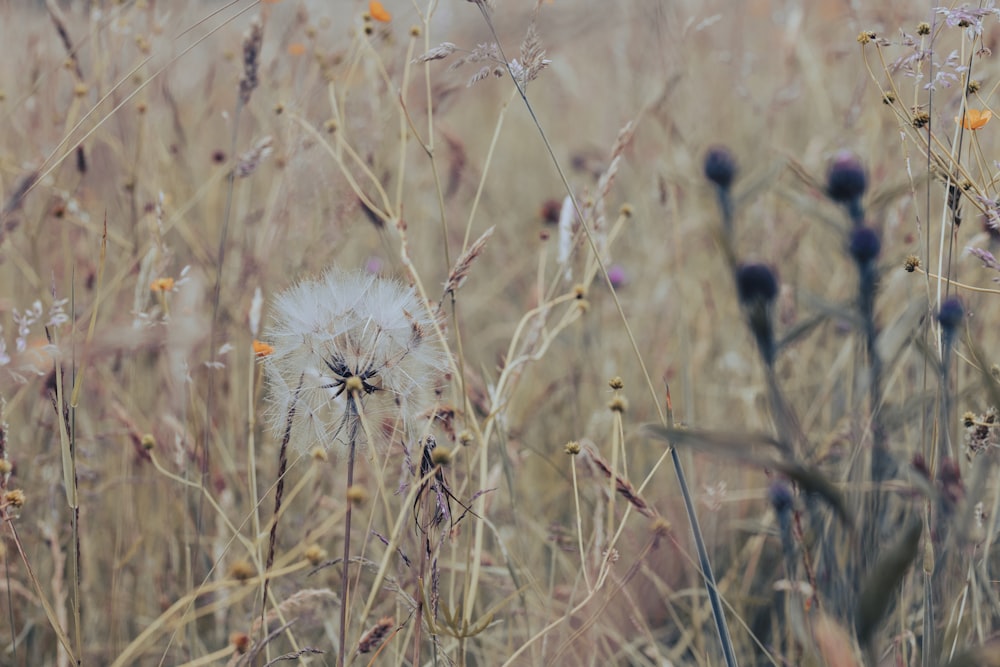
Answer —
133 128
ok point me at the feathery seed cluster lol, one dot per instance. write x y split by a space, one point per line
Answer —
348 348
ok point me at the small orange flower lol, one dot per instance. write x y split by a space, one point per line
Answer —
262 349
378 12
296 49
162 285
975 118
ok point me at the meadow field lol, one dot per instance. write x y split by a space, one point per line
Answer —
474 333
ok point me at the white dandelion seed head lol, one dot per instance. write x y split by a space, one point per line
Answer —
350 326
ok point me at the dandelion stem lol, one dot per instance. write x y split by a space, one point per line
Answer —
352 415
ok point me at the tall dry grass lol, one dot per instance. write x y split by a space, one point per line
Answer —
167 170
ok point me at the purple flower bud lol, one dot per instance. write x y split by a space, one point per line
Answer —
617 276
846 181
951 314
756 283
864 245
720 167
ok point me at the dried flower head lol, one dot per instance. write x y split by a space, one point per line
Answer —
349 348
315 554
241 570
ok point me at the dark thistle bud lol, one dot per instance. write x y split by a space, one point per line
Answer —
757 288
720 167
756 283
846 179
846 183
780 496
864 245
951 314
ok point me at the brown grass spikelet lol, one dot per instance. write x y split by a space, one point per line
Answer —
616 383
248 161
911 264
618 404
253 39
309 606
458 274
378 632
439 52
533 59
622 485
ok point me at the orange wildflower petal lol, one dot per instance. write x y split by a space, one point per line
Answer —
296 49
378 12
162 285
975 118
262 349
